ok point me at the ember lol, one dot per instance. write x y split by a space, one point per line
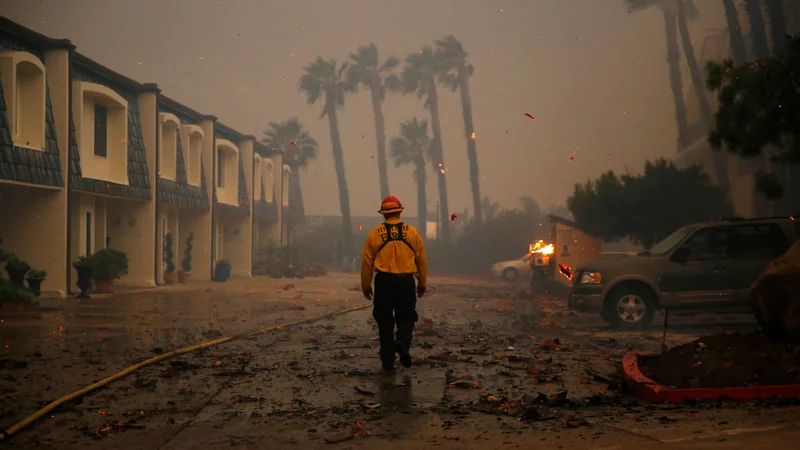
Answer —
529 116
453 216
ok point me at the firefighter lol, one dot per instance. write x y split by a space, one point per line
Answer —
395 253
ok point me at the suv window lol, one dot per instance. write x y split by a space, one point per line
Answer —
758 241
708 243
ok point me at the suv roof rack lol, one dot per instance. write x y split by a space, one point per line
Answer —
732 219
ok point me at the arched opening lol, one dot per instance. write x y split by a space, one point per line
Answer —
285 184
227 173
101 128
25 91
269 182
192 141
257 186
168 146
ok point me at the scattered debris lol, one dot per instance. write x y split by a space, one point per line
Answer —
363 391
357 429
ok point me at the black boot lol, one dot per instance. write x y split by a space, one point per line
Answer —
402 351
388 365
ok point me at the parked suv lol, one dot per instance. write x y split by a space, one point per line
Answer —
707 265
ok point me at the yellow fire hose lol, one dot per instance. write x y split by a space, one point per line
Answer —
4 435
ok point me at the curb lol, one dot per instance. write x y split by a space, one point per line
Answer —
648 389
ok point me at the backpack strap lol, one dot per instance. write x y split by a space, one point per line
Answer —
391 236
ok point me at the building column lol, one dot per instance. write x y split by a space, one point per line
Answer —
55 216
275 231
203 256
244 242
142 258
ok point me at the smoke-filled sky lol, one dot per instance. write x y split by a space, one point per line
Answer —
593 76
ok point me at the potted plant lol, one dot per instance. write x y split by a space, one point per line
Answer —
17 269
35 278
222 271
186 264
170 277
108 265
12 297
84 268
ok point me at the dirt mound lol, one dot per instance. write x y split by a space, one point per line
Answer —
775 296
726 360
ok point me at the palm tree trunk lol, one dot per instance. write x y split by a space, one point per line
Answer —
422 197
380 136
439 167
472 150
757 28
673 58
761 50
777 26
735 30
694 68
720 163
341 178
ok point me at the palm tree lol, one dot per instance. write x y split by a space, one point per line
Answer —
735 30
777 25
293 140
323 80
674 60
413 147
457 74
757 28
419 78
687 11
367 70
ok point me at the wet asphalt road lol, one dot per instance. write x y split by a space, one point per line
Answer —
491 370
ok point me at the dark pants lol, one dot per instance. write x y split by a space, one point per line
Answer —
395 302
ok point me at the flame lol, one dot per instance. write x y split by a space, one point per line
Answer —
540 247
565 270
473 135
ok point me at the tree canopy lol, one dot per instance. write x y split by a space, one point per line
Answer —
647 207
759 110
293 139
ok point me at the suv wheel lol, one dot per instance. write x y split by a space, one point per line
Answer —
629 307
510 274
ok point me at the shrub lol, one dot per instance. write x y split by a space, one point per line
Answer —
186 264
15 263
169 254
11 293
109 264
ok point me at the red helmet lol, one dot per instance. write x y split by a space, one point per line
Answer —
390 205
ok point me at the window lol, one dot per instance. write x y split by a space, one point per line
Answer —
285 184
25 94
100 131
17 106
168 145
227 172
220 169
192 141
708 243
269 182
765 240
257 177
